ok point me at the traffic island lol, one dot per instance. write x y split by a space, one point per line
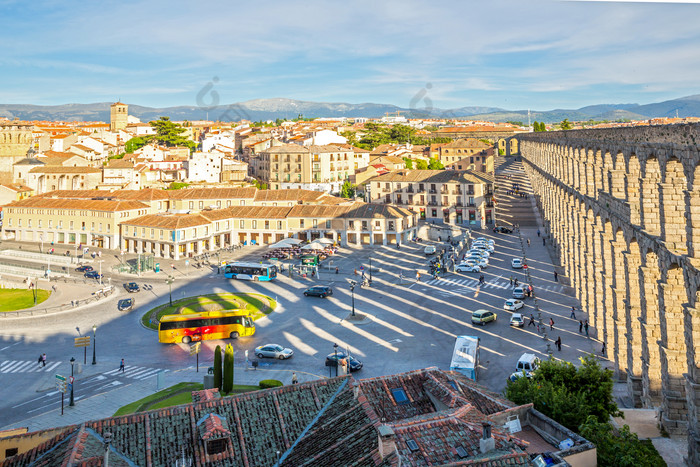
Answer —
357 318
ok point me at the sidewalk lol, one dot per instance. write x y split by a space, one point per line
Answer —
106 404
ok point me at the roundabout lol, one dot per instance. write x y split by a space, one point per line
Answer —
21 299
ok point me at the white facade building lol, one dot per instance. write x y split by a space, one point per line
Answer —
204 167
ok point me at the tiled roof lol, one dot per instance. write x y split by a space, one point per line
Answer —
77 194
206 395
467 143
78 204
287 149
62 169
147 194
434 176
120 164
168 221
288 195
213 193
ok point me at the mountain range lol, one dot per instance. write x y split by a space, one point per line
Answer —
270 109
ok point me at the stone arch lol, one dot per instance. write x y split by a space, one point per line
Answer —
673 189
632 188
605 171
513 146
650 212
633 261
693 224
651 366
617 176
617 285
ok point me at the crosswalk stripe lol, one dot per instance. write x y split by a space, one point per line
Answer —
13 365
21 367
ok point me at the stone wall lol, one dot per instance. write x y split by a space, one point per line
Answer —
623 208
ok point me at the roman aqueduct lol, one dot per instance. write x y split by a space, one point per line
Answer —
623 209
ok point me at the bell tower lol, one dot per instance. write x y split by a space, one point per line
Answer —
119 114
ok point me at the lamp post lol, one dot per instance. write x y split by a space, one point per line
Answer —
94 343
370 270
100 261
352 292
72 401
170 281
335 351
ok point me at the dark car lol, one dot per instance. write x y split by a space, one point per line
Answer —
92 275
504 229
132 287
318 291
353 363
125 304
83 268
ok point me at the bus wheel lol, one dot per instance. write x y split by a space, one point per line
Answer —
234 335
186 340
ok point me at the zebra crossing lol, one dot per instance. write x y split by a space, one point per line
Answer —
19 366
135 372
473 284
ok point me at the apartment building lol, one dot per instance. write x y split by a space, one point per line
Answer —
445 196
466 154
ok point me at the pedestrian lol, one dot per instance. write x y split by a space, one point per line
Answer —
294 378
336 269
573 314
585 327
515 281
528 242
40 358
356 271
121 366
602 351
417 276
43 359
538 232
544 242
580 326
53 287
551 324
532 320
556 276
538 328
558 343
511 281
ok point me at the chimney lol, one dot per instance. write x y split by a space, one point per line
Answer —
356 389
486 443
387 441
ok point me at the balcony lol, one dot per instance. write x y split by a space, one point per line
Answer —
433 191
433 203
409 189
470 193
420 190
458 204
471 205
489 205
456 192
385 190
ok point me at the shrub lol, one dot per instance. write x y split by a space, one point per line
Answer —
217 367
270 383
228 369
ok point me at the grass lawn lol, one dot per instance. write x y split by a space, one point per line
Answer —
19 299
174 395
255 304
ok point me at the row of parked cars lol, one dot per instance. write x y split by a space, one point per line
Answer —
477 258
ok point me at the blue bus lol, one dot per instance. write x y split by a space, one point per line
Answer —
250 271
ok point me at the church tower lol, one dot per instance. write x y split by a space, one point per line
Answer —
119 114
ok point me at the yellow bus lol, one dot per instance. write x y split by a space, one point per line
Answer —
206 325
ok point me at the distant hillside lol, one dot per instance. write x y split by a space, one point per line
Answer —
270 109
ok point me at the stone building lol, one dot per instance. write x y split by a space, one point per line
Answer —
16 138
466 154
118 116
623 208
445 196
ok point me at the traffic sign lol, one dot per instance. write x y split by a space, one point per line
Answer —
61 383
71 379
194 348
82 341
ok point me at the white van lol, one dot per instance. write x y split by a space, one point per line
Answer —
528 363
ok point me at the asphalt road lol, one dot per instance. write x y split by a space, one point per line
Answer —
410 324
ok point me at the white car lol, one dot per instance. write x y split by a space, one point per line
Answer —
273 351
466 267
482 246
483 262
481 253
517 320
429 250
513 305
516 263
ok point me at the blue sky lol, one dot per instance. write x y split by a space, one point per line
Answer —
516 55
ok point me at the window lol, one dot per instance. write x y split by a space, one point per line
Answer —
315 223
161 233
201 205
70 225
39 222
191 205
364 225
206 230
109 227
242 224
352 225
11 452
279 225
153 233
267 225
328 224
255 224
50 224
400 396
216 446
19 222
29 222
218 204
391 225
433 213
301 223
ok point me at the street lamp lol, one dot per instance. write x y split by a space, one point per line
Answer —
352 291
72 401
335 351
370 270
100 261
94 343
170 281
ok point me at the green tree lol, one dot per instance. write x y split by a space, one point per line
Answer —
565 124
228 369
514 122
347 190
409 162
260 185
421 164
217 367
622 449
170 134
435 164
351 136
177 185
566 393
134 143
501 152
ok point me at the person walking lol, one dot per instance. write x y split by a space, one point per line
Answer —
602 351
585 327
336 269
528 242
551 324
515 281
40 359
580 326
544 242
43 359
573 312
558 343
556 276
417 276
532 320
511 280
121 366
538 232
294 378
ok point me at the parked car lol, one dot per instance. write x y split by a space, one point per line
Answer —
513 305
92 275
318 291
483 246
429 250
516 263
518 292
126 304
517 320
466 267
504 229
83 268
273 351
528 363
483 316
132 287
353 363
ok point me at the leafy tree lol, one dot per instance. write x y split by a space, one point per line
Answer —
217 367
116 156
565 124
514 122
170 134
228 369
566 393
134 143
435 164
409 162
260 185
623 449
177 185
347 190
421 165
501 152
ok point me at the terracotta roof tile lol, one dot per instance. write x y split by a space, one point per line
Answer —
78 204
